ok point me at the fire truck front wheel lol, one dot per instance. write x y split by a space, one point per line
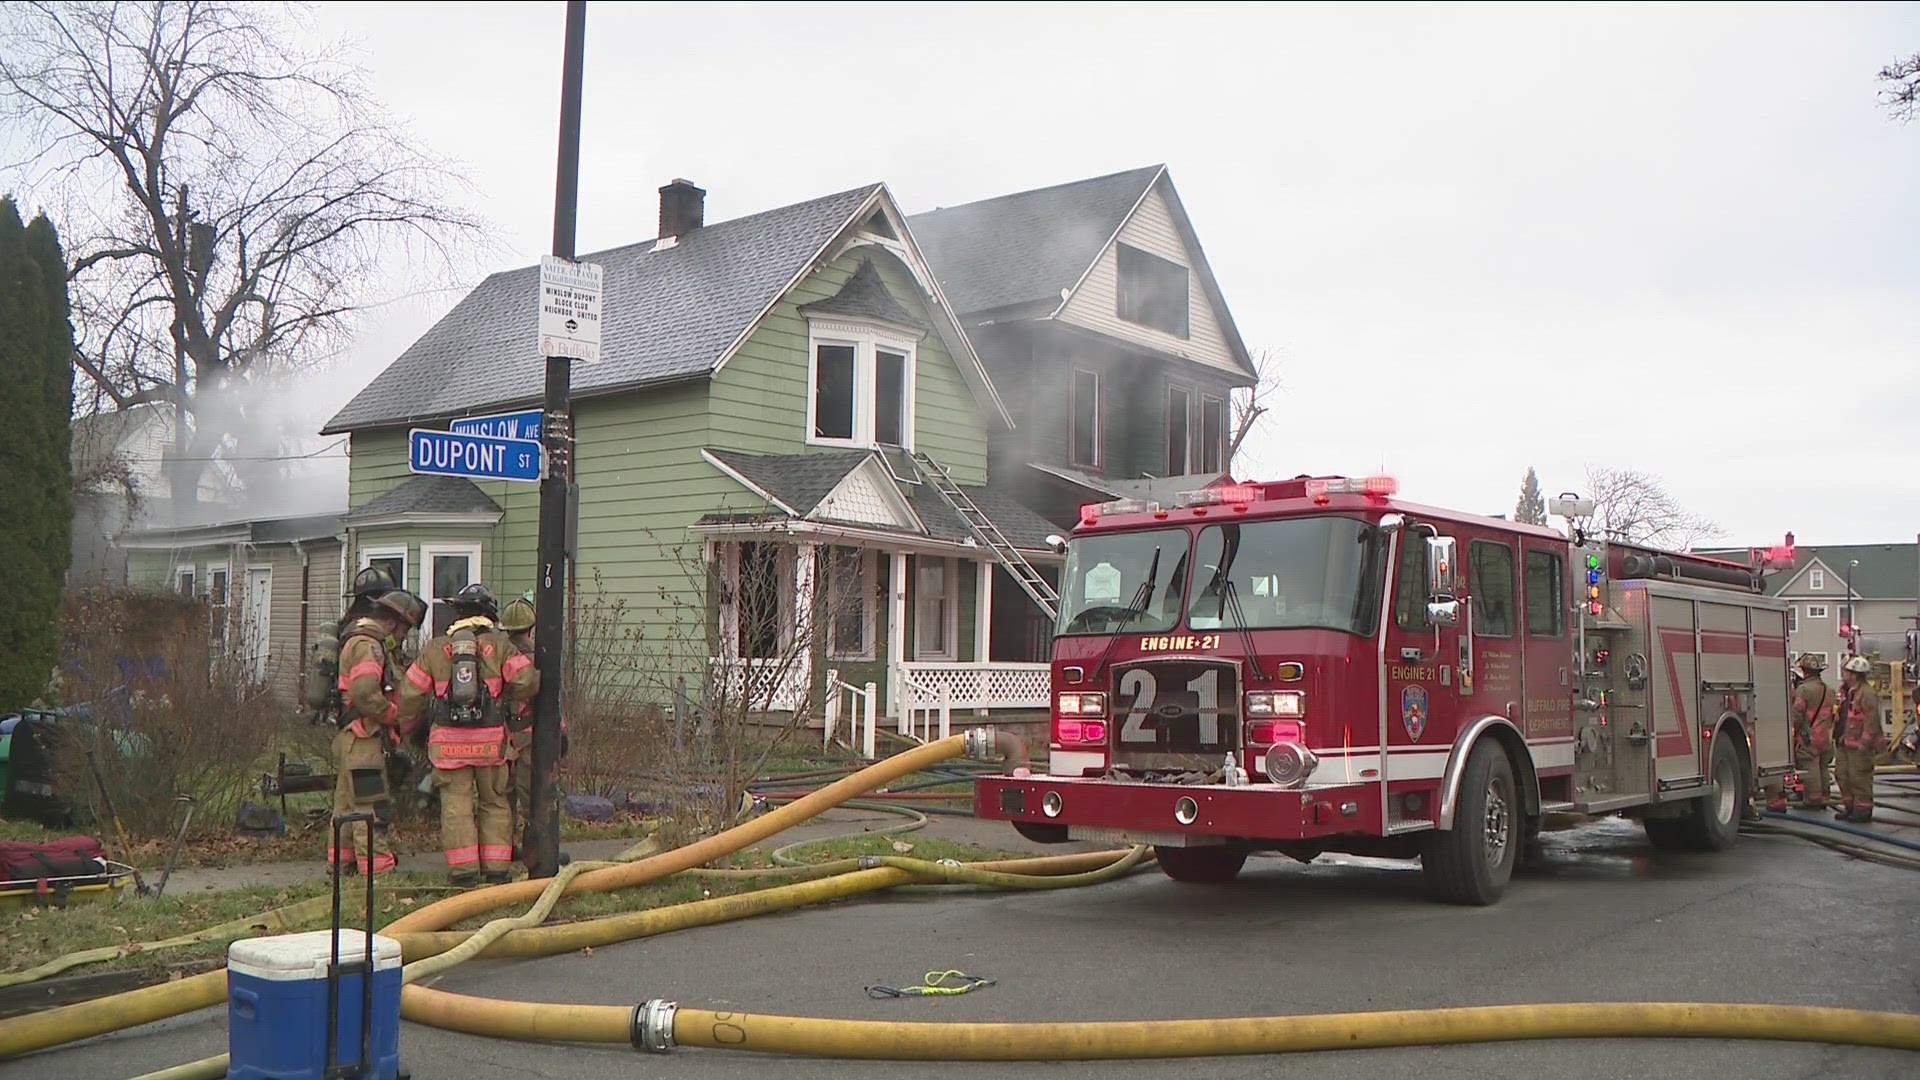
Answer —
1200 865
1471 862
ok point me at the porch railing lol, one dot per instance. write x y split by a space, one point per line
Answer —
770 685
861 704
976 684
925 709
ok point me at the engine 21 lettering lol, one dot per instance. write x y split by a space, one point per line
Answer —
1179 643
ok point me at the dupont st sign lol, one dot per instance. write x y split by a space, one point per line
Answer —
478 457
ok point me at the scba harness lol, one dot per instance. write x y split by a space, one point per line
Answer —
468 729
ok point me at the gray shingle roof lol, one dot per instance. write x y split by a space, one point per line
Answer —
802 480
798 480
1026 247
865 296
1886 571
666 315
428 495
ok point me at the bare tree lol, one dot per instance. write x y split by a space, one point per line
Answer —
1250 404
1900 88
228 194
1634 507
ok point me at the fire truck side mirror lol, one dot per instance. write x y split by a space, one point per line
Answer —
1443 612
1441 581
1056 543
1913 646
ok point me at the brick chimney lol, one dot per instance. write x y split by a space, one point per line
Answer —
683 209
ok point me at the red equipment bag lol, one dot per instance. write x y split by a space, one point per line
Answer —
75 856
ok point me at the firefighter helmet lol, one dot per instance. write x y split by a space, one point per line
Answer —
475 597
371 582
1859 665
517 615
1811 662
403 604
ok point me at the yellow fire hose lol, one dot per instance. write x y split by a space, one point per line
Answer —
660 1025
55 1027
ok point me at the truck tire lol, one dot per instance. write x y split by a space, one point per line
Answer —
1201 865
1712 823
1471 862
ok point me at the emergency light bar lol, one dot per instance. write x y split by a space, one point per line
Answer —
1373 487
1092 512
1213 496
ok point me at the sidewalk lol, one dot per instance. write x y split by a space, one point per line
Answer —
989 834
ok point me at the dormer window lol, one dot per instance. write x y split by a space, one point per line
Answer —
860 385
1153 291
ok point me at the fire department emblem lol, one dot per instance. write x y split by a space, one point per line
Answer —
1413 711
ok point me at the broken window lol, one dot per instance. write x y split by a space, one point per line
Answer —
1152 291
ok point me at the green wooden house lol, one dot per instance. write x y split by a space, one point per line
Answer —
796 454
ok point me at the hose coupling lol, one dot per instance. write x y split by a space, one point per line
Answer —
870 862
653 1025
980 744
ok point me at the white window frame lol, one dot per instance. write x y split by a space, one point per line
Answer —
950 575
220 612
1186 451
186 570
428 551
869 573
1817 579
866 340
784 589
1226 433
389 551
1816 611
1073 415
1793 618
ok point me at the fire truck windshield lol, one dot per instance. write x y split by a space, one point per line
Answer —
1294 572
1124 580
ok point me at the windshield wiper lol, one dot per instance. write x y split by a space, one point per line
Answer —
1230 603
1139 608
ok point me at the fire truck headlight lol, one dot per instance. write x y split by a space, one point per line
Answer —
1276 703
1081 705
1289 764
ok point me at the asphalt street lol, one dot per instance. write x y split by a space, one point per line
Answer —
1604 918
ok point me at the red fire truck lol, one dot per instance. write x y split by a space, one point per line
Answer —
1314 665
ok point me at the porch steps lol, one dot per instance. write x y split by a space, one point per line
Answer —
1016 564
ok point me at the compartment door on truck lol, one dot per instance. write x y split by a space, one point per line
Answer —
1772 734
1676 698
1422 702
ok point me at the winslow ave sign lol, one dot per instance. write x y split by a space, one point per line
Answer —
480 457
569 309
519 425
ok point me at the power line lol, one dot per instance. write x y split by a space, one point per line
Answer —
322 452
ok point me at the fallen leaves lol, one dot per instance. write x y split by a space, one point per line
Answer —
586 950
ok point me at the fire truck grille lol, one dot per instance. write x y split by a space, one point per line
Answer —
1181 715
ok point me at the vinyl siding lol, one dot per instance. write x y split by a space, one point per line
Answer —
1094 304
759 400
378 464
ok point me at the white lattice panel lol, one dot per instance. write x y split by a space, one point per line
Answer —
763 684
978 686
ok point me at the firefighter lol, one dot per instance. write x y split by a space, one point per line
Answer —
1860 736
473 678
1814 709
517 620
366 717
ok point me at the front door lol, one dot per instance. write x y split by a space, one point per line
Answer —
257 620
1548 663
446 569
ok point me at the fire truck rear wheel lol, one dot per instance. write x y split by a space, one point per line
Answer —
1471 862
1712 823
1200 865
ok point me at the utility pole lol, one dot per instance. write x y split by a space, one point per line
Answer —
542 854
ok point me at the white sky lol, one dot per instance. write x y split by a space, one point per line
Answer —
1675 239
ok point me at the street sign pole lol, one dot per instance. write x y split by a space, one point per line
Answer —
542 854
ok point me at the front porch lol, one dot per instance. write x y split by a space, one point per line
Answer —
855 635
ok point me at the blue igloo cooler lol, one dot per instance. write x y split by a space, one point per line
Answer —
277 1006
